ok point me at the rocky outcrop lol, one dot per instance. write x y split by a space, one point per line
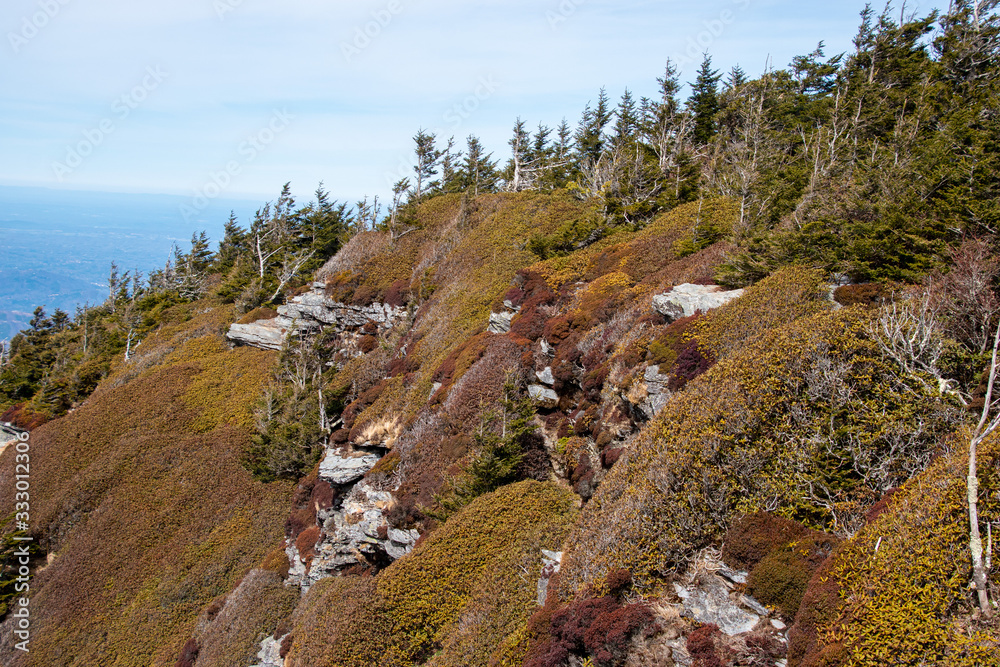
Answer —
500 322
712 594
355 533
710 602
265 334
270 653
8 433
657 392
340 468
686 300
543 397
310 312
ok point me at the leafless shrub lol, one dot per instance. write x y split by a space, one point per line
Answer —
966 296
910 332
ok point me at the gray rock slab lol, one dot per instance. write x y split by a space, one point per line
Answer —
339 468
686 300
709 602
542 396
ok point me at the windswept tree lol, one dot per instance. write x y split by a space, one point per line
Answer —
428 159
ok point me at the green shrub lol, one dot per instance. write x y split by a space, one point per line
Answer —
898 592
453 601
810 403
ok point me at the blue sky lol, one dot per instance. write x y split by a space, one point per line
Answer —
231 98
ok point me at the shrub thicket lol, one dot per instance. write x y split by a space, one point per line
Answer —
808 418
453 601
898 592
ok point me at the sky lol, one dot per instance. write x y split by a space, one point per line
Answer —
232 98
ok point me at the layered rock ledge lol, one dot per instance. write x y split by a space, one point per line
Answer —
308 313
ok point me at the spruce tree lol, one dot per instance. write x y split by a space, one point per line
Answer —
428 160
704 101
478 172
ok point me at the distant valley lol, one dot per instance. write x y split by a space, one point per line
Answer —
56 246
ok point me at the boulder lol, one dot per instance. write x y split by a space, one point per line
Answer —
545 376
400 542
709 602
270 652
500 322
266 334
543 397
686 300
340 468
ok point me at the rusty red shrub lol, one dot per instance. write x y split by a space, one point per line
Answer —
298 521
618 582
515 295
23 417
610 456
593 382
529 323
189 654
557 330
322 496
398 293
367 343
600 628
754 536
701 647
691 363
286 646
306 541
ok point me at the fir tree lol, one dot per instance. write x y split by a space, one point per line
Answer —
704 101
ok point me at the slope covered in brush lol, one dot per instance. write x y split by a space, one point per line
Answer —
140 504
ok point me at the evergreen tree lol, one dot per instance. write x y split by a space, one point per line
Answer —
232 246
704 102
590 139
426 167
499 444
737 78
451 161
627 121
478 172
519 174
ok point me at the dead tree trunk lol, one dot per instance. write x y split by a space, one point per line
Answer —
980 570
